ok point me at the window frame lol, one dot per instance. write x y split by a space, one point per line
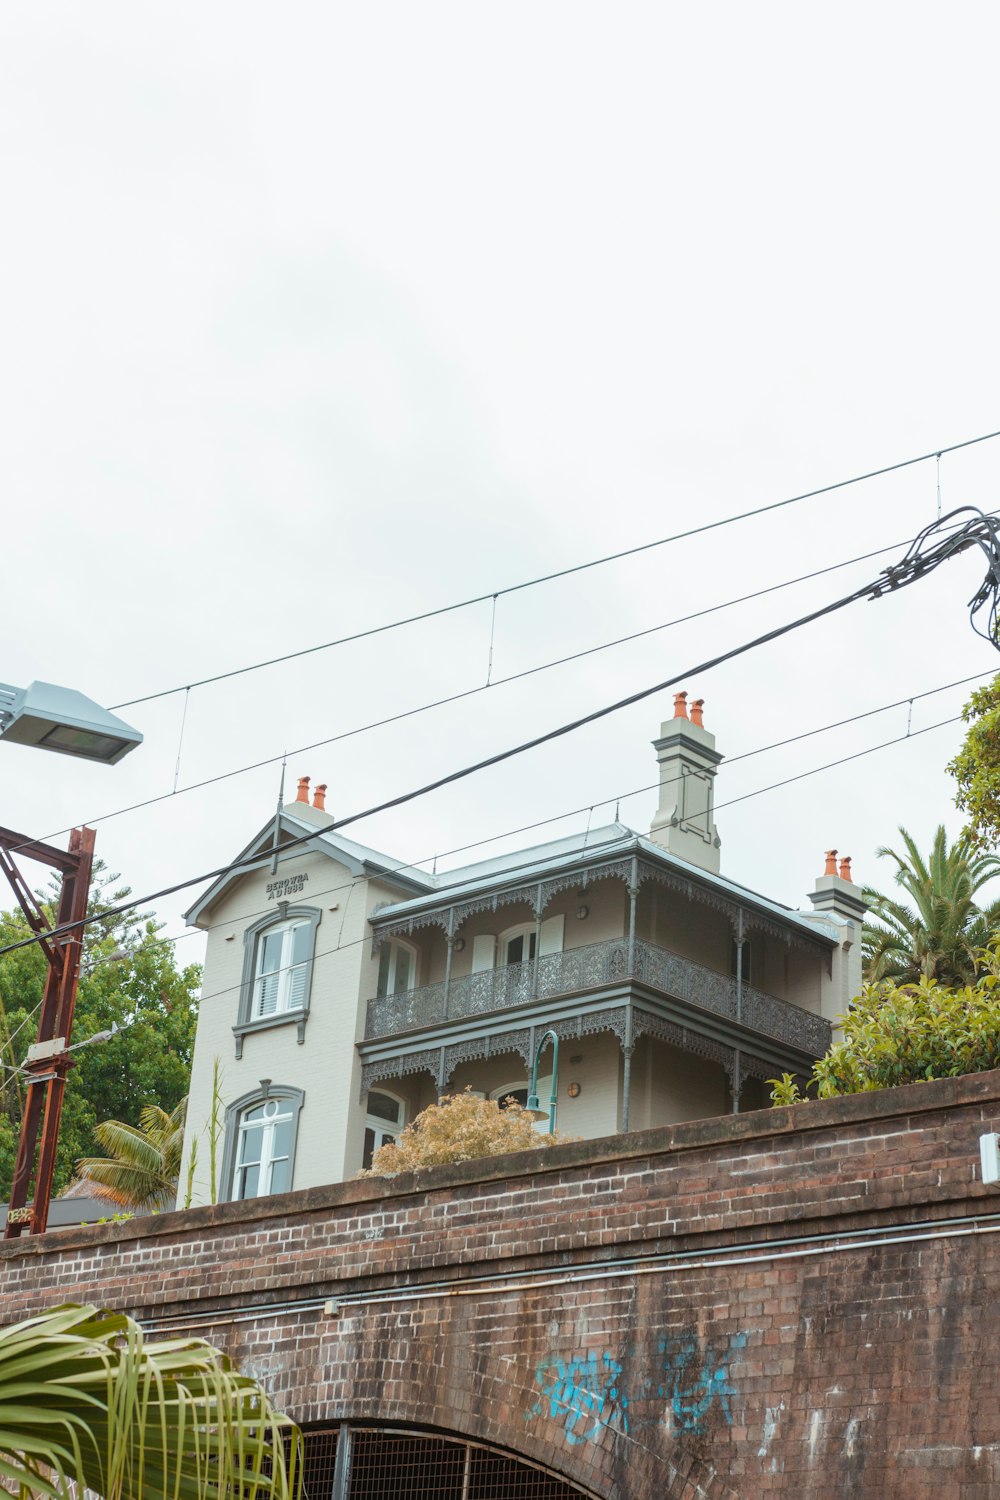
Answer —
235 1113
246 1022
394 946
379 1126
510 1091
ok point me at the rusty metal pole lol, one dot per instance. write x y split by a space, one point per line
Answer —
48 1066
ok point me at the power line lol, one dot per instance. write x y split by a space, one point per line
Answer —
760 792
597 562
459 696
922 557
512 870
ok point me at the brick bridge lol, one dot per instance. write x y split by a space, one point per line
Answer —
792 1302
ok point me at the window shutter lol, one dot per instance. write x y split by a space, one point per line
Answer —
267 994
297 987
552 935
483 952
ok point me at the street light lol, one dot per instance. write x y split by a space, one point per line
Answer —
532 1105
61 719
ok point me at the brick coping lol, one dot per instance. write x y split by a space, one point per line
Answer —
936 1095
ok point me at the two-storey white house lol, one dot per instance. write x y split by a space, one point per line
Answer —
345 991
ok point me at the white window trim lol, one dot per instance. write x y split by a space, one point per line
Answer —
248 1017
289 975
292 1099
395 945
383 1129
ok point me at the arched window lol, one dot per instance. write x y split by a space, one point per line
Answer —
259 1154
397 967
518 1091
517 945
281 969
384 1120
278 954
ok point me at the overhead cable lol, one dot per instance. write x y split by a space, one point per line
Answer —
530 583
921 558
450 698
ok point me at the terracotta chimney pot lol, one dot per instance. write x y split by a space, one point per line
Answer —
302 794
680 706
845 868
319 797
696 712
831 862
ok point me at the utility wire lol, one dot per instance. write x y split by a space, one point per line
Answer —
450 698
616 797
594 848
530 583
513 870
921 558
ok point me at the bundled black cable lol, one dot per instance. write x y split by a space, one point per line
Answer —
921 558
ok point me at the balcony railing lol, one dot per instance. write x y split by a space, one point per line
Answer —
591 967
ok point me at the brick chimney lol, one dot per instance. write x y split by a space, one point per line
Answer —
684 822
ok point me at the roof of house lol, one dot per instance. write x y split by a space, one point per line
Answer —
426 889
597 845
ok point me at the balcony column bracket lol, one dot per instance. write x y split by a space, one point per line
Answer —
628 1047
449 938
740 929
735 1079
633 897
539 908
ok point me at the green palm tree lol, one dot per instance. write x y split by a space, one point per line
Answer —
142 1165
941 934
89 1405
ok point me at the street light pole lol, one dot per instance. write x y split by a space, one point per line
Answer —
532 1104
48 1061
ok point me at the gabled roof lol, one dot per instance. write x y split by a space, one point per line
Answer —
520 866
357 858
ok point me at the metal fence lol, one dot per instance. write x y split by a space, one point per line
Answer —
372 1463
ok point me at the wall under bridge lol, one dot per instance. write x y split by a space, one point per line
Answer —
799 1301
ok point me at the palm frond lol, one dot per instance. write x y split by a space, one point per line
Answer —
86 1402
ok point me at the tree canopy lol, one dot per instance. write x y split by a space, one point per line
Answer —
934 928
460 1127
129 978
976 767
909 1033
142 1165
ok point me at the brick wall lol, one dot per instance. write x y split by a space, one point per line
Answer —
798 1301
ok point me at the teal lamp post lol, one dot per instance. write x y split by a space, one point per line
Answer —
532 1105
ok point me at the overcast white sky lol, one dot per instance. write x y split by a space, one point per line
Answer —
318 315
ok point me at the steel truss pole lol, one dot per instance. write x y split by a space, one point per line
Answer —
49 1061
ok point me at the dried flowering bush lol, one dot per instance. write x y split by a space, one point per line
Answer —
460 1127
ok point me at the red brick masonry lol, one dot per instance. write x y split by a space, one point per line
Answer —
793 1302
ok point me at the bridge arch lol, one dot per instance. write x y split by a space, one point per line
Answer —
371 1461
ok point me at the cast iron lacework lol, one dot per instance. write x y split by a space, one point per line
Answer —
596 966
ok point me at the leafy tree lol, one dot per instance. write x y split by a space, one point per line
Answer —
976 767
129 978
91 1407
939 935
460 1127
908 1033
142 1165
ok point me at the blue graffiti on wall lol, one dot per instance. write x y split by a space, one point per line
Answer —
587 1393
695 1380
584 1393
